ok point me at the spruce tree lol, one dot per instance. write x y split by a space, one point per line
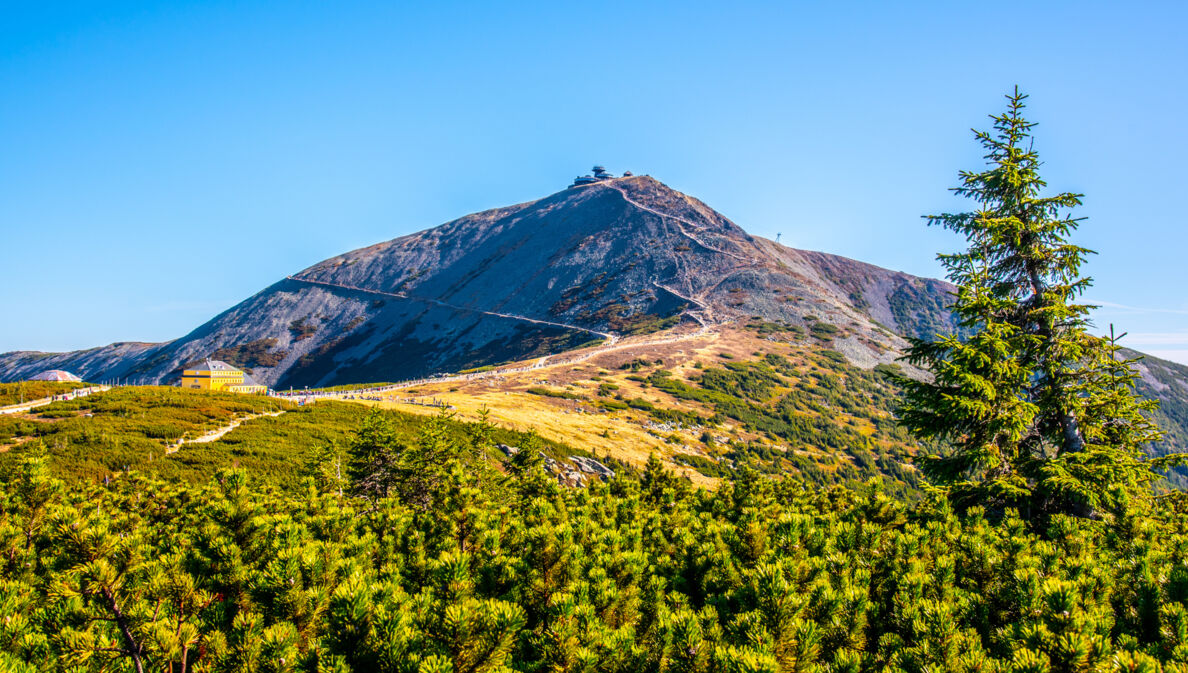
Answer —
374 464
1032 411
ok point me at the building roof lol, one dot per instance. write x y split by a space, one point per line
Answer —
56 375
248 381
213 366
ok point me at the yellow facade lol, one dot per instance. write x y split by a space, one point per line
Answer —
216 375
209 380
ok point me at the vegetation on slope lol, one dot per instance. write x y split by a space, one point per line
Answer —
1167 382
477 570
816 417
95 436
26 391
133 428
250 355
414 546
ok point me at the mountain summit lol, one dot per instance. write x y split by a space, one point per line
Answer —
603 258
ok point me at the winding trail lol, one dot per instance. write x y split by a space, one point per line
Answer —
681 222
217 433
613 343
702 307
33 404
703 315
612 338
540 363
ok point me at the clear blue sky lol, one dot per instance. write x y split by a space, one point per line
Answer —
137 139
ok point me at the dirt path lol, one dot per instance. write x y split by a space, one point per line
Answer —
16 441
706 316
703 315
681 222
33 404
217 433
510 316
548 361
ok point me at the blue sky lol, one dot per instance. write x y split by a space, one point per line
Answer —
138 139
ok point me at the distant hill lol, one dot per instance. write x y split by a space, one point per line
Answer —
1167 382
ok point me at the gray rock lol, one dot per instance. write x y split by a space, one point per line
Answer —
591 466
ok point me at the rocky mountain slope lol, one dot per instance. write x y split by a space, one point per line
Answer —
1167 382
621 256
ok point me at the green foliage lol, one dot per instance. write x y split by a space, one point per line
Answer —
823 331
127 426
1035 413
919 311
833 356
422 473
374 466
637 364
800 406
131 428
510 572
766 328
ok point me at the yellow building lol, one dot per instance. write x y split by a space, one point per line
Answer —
218 375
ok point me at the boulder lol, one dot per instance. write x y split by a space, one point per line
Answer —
591 466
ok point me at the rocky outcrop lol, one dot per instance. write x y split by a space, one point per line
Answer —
576 470
573 471
592 467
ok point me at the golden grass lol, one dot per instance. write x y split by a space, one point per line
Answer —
618 434
624 434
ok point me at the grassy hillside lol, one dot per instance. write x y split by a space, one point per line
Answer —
137 428
772 396
92 437
15 393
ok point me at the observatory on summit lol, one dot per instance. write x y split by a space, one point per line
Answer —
600 174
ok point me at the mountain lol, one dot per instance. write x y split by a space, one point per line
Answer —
619 256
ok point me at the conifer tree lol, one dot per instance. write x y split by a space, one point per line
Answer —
423 470
1033 411
374 465
326 468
